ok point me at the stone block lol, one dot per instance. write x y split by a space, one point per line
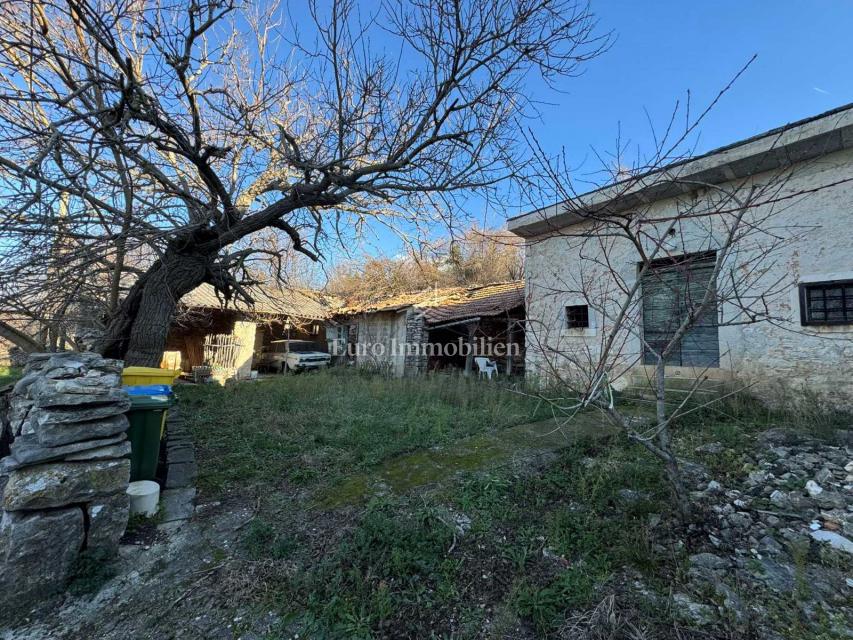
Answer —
46 417
107 523
177 504
58 484
95 396
8 464
182 454
56 434
181 474
23 384
109 452
39 550
28 451
73 365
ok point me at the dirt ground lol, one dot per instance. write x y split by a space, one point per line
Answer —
183 579
154 583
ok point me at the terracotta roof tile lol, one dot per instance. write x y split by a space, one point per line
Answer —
272 300
453 303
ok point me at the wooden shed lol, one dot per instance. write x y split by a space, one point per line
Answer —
439 329
229 335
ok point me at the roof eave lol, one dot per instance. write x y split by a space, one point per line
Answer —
775 149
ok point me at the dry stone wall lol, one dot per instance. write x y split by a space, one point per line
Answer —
64 483
416 334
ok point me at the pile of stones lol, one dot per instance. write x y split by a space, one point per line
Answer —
64 483
779 531
793 486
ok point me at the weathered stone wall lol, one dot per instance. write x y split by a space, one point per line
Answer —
64 484
416 336
381 337
245 333
782 354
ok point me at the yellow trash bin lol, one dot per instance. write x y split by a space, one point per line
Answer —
148 375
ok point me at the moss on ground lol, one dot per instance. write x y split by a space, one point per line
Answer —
505 543
9 375
481 452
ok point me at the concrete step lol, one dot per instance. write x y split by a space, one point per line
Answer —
681 384
673 396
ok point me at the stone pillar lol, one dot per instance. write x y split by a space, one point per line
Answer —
64 483
417 335
244 332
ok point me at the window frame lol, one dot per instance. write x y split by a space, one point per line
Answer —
571 327
804 287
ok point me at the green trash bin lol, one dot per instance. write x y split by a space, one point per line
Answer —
146 417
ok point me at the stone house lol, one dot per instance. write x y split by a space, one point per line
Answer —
809 343
438 329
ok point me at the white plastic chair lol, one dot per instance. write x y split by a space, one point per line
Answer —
486 367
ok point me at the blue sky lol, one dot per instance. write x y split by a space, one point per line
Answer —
665 48
662 49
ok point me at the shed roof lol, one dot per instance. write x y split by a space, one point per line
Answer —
268 299
452 303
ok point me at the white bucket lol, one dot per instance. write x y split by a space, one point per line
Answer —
144 497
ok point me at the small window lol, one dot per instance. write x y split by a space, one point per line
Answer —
577 316
826 302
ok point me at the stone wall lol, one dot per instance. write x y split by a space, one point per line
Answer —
416 334
777 357
381 338
64 484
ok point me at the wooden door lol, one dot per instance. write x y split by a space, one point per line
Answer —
671 289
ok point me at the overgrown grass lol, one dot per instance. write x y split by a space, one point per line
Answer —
327 424
532 546
539 546
395 560
9 375
736 420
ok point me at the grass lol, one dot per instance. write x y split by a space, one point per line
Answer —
539 546
524 548
9 375
392 563
323 426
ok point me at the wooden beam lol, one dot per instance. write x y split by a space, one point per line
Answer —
19 338
469 357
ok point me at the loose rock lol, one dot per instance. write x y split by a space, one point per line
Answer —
58 484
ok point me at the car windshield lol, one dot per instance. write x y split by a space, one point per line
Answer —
295 346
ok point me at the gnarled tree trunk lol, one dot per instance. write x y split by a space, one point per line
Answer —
137 331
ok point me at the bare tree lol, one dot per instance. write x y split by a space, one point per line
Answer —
477 256
660 261
177 132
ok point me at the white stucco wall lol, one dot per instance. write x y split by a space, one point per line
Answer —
819 231
380 336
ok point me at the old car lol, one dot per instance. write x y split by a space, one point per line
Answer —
293 355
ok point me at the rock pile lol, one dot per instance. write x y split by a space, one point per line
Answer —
63 485
782 526
793 486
